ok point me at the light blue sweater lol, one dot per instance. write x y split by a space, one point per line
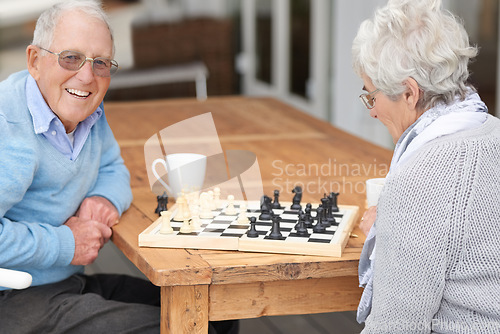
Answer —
40 188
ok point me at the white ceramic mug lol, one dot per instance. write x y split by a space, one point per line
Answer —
186 172
373 189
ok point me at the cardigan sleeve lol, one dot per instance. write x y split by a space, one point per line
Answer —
113 180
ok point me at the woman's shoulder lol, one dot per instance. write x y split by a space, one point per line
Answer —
444 150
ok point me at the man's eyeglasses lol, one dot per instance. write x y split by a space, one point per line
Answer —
368 99
74 60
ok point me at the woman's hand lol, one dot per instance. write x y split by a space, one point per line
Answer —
368 219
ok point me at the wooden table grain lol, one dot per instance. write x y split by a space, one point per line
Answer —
291 147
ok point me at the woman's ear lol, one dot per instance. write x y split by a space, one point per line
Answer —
412 94
33 60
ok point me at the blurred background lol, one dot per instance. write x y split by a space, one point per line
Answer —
297 51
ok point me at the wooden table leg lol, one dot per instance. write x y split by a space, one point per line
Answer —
184 309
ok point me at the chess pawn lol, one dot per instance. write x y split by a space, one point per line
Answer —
195 219
186 226
276 203
275 228
230 210
308 219
166 228
319 227
301 227
252 233
242 218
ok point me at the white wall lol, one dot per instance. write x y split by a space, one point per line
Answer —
347 111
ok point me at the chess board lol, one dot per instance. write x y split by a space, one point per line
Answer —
224 232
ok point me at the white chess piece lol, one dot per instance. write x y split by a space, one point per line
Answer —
179 216
186 226
242 217
230 210
205 213
195 219
212 200
195 199
166 227
217 197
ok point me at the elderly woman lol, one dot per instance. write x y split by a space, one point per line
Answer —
431 262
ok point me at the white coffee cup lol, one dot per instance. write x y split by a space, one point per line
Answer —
186 172
373 189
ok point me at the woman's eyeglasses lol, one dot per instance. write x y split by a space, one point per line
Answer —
368 99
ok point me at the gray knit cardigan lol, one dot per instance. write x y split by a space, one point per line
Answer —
438 239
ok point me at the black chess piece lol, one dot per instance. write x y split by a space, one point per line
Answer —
299 215
334 196
276 203
308 219
319 227
330 217
275 228
296 198
326 212
252 233
162 203
265 208
301 228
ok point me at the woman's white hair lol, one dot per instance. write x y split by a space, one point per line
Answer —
48 20
416 39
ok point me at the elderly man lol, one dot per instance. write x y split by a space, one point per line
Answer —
63 184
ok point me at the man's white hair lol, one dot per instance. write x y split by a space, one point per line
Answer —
48 20
416 39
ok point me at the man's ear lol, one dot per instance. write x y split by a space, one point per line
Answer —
33 59
412 94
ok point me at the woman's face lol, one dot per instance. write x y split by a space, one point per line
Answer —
397 115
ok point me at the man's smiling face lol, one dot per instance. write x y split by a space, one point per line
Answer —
74 95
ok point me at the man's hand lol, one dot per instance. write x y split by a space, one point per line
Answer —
368 219
99 209
90 236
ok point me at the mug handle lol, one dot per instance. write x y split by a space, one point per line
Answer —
153 167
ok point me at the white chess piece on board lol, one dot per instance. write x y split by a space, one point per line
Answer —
166 227
186 226
242 217
180 209
217 197
230 210
212 200
195 219
205 213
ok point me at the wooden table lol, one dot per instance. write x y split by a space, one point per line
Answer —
202 285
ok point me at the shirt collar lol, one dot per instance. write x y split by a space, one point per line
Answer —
42 115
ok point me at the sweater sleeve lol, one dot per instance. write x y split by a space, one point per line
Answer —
113 181
26 244
415 224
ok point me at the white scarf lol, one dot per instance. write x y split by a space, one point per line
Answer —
438 121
